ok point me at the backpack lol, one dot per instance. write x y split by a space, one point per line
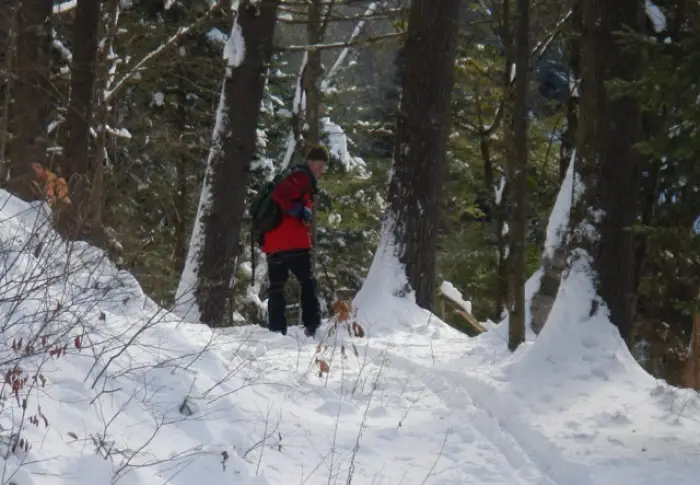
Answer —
265 213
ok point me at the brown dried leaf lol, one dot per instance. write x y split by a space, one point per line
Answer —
323 365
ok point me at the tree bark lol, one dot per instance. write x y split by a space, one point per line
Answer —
518 177
32 95
8 26
415 189
76 162
315 33
609 164
181 194
502 209
230 170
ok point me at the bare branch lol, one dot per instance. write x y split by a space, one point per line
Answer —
342 44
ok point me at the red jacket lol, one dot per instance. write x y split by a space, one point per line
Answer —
292 233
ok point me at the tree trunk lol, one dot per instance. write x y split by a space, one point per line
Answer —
554 258
497 196
31 96
229 171
76 163
315 33
502 209
518 178
609 167
8 29
181 194
691 377
415 189
619 177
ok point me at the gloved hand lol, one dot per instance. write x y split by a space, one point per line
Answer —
301 212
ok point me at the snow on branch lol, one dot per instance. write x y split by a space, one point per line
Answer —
657 17
338 145
64 7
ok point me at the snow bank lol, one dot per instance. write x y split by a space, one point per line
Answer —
101 384
386 305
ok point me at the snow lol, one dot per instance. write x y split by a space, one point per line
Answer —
559 219
217 36
158 98
338 145
141 398
234 49
64 7
119 132
449 290
657 17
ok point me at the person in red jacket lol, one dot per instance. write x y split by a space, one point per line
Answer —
288 246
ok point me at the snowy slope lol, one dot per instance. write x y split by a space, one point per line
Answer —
148 400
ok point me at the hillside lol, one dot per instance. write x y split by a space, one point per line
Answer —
137 397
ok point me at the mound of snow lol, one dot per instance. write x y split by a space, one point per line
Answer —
103 386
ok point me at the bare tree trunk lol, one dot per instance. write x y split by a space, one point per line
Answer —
76 162
518 177
32 95
230 170
415 190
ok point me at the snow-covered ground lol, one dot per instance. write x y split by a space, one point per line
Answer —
141 398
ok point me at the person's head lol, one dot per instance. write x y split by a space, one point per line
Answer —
317 159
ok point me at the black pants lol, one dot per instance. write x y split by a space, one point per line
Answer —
278 267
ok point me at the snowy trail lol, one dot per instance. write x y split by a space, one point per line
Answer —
435 409
411 416
139 397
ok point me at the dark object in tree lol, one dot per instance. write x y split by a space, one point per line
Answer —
422 130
